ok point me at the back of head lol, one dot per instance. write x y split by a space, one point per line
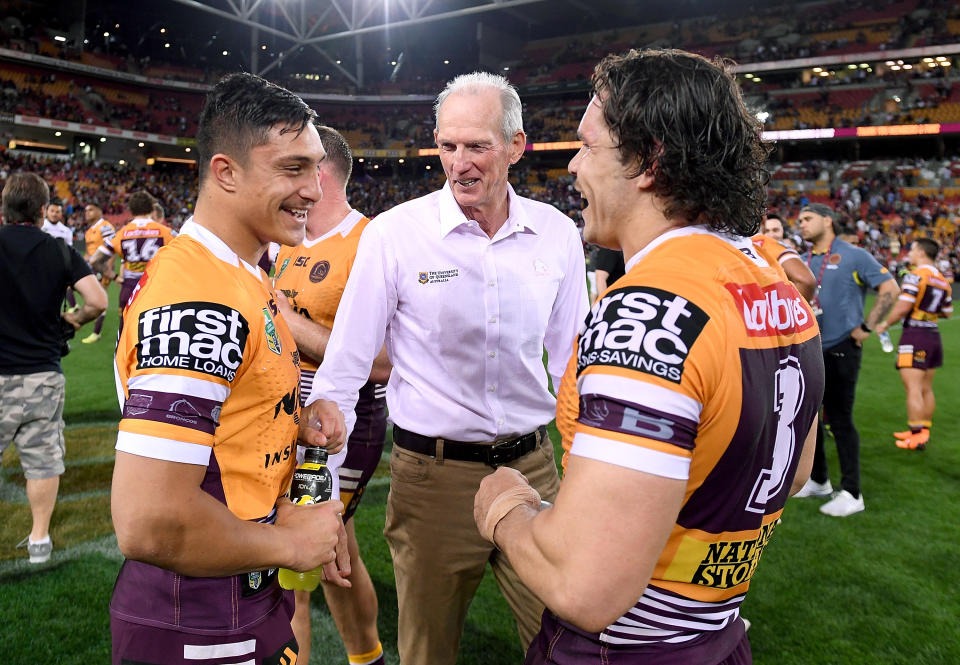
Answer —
24 198
929 246
511 121
157 212
681 117
239 113
339 155
141 204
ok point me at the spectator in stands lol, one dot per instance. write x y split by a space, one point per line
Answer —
35 272
844 273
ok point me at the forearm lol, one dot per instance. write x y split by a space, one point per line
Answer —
886 297
900 310
311 337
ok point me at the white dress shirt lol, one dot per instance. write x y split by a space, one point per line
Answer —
58 230
465 317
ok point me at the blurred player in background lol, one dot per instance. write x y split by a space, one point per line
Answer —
310 279
925 296
98 231
135 242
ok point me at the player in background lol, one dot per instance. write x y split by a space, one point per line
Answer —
53 224
309 280
98 231
925 296
691 411
795 268
135 242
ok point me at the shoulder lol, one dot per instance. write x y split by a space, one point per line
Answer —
421 208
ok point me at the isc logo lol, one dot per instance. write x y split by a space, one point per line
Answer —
200 336
641 328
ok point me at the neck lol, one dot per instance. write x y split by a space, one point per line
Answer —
646 225
490 218
322 221
823 243
221 221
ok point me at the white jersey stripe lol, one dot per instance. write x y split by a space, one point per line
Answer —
169 450
657 397
631 456
207 652
181 385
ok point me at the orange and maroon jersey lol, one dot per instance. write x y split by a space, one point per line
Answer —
929 293
772 249
136 242
209 373
96 235
708 371
313 275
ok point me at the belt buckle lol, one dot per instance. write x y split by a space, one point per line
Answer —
503 452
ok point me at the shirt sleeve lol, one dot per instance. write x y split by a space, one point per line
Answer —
368 303
569 309
870 272
78 267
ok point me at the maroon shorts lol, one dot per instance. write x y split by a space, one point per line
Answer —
920 348
126 290
269 641
364 448
559 643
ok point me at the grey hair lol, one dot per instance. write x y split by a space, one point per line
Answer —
511 120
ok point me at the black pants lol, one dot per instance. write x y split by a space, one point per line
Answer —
841 365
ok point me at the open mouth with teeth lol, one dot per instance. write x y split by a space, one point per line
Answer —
468 182
299 214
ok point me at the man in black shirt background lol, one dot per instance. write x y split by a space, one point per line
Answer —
36 269
608 265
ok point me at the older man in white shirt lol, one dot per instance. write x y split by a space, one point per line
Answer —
467 286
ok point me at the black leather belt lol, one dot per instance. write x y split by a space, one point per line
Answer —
499 452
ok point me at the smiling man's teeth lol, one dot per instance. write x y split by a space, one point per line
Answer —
299 213
467 182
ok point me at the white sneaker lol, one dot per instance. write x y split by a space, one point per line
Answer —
813 488
842 505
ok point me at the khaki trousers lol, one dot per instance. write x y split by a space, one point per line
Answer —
438 555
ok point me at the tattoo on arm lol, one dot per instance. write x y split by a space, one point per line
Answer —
880 309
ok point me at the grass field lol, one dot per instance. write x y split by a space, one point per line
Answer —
877 587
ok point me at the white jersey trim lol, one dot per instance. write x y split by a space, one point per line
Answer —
206 652
169 450
181 385
631 456
657 397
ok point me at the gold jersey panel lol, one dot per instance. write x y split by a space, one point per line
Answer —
205 362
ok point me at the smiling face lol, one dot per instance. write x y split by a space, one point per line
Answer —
473 152
773 228
601 179
54 213
278 183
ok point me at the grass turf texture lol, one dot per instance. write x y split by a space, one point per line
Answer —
872 588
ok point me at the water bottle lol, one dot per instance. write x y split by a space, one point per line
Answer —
312 483
885 342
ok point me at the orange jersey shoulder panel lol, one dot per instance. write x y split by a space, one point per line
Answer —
137 241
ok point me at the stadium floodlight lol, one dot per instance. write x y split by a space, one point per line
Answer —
908 66
428 167
890 63
818 69
376 166
864 65
57 133
121 162
851 66
106 34
226 53
103 139
506 69
400 161
338 62
446 62
186 149
360 160
163 31
141 144
748 75
945 63
762 116
167 45
928 60
83 144
757 80
117 26
895 68
59 38
941 58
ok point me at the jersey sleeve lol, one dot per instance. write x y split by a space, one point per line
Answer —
644 358
869 271
911 287
112 244
107 231
177 361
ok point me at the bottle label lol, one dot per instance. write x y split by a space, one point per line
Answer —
311 485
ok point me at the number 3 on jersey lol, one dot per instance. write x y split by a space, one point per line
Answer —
140 250
789 390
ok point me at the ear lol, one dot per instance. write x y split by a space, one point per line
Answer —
645 180
517 145
224 172
435 135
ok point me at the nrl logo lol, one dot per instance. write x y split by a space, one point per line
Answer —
254 579
270 330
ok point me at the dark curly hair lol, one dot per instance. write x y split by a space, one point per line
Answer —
682 116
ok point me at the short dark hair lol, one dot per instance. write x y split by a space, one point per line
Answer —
239 113
824 210
158 210
25 196
338 151
929 246
53 203
682 117
777 216
141 203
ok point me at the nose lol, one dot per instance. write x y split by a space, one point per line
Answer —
575 162
311 189
461 161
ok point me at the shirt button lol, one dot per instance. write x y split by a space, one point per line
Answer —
500 422
491 388
491 283
493 319
493 354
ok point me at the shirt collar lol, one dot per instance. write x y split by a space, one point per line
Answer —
217 247
343 227
451 216
673 233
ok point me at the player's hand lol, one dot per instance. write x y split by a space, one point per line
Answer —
72 319
881 327
499 493
312 535
322 424
283 303
338 570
